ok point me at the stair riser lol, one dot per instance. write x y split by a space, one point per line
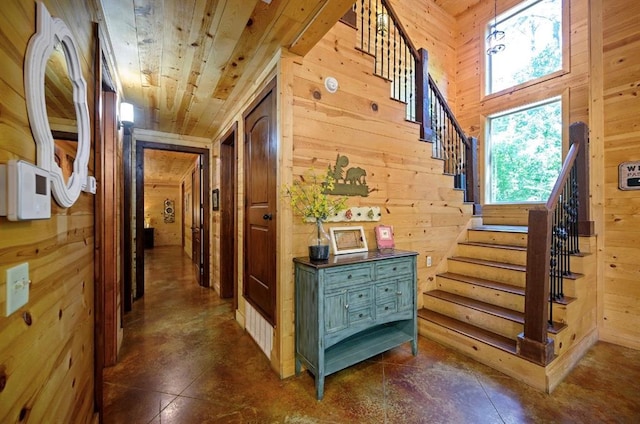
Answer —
518 257
512 365
484 294
509 276
498 237
480 319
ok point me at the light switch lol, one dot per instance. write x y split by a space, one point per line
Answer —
17 287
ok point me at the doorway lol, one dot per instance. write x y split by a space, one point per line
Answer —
228 226
260 153
202 206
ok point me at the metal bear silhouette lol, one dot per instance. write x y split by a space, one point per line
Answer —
353 184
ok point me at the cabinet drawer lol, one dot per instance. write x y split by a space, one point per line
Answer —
386 308
340 277
359 316
360 296
393 268
385 291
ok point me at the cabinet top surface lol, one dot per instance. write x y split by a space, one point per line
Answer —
355 258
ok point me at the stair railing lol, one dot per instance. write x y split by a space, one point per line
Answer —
553 236
382 35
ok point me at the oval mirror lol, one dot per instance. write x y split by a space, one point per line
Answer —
53 43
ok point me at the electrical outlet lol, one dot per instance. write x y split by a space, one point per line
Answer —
17 287
429 261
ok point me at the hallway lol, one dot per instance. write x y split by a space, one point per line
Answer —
184 359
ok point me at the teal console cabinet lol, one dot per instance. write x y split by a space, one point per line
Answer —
351 308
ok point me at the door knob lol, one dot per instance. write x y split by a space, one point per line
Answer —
267 217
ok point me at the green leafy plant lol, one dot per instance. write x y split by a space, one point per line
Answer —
309 198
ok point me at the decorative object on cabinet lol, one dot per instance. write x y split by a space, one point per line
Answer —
348 240
350 309
215 199
384 237
169 212
308 197
52 47
353 183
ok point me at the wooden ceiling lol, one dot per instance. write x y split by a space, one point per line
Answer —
183 63
165 167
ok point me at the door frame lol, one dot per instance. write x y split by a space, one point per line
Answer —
139 170
228 201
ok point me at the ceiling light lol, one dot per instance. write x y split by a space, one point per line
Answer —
495 36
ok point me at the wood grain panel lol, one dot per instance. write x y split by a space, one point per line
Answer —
48 364
621 73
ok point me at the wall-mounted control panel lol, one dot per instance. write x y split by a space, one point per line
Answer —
24 191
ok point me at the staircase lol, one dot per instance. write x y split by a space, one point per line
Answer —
477 305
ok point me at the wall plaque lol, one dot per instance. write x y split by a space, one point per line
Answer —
629 175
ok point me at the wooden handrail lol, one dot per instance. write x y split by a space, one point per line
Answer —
403 32
533 343
448 110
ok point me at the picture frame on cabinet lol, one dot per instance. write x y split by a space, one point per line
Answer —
384 237
348 240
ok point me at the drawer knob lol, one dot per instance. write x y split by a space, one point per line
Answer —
346 306
386 308
361 315
360 295
399 293
349 277
387 289
395 268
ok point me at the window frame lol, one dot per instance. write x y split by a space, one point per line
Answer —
563 98
566 49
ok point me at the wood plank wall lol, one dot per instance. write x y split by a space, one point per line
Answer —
46 367
165 233
404 180
621 70
472 106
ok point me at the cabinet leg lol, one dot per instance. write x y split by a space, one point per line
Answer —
319 387
414 347
298 366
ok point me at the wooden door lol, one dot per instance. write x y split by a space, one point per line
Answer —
228 229
196 213
260 206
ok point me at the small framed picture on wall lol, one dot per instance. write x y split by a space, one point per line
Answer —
215 199
384 237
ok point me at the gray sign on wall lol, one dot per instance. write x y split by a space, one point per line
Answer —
629 175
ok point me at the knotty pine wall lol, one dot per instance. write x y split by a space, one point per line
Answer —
47 367
427 214
620 291
165 233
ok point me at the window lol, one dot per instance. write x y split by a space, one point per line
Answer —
533 39
524 153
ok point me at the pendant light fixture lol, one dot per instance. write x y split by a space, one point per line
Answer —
494 38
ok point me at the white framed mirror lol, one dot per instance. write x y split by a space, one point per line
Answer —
53 38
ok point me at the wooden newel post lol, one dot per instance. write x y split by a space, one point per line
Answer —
422 95
579 134
534 344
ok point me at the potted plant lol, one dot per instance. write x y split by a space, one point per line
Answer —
309 198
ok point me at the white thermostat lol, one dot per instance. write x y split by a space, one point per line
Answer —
24 191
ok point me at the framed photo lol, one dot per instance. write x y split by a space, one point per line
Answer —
348 240
384 237
215 199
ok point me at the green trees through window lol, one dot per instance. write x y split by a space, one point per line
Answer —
533 39
525 153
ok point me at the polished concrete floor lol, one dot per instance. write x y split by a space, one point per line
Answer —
184 359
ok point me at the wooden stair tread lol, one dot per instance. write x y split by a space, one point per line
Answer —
484 283
485 262
492 245
488 308
495 285
469 330
502 228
